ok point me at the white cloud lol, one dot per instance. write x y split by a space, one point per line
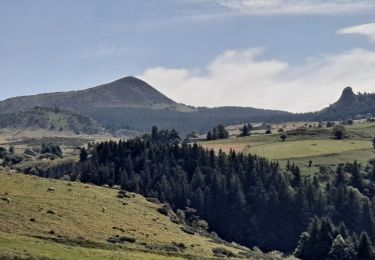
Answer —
297 7
367 30
246 78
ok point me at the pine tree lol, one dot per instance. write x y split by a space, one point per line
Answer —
341 250
357 178
364 250
83 155
340 176
368 221
245 131
154 134
209 136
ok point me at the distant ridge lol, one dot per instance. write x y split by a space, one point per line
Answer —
124 92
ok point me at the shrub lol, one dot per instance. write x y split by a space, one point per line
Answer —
127 239
181 246
163 210
3 152
188 230
203 224
268 132
222 252
153 200
51 149
122 239
181 214
339 132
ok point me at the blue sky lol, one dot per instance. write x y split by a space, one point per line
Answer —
283 54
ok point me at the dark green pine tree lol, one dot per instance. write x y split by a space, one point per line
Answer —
83 155
325 238
357 178
154 134
364 249
368 222
340 177
245 131
306 248
209 136
341 250
214 134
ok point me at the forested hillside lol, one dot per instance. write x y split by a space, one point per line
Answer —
200 120
244 198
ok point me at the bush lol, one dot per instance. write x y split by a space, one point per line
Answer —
181 246
268 132
51 149
127 239
222 252
122 239
188 230
3 152
153 200
203 224
339 132
12 159
163 210
29 152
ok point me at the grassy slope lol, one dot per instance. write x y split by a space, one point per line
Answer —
320 148
81 228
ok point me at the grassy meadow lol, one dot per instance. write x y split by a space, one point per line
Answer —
75 221
317 145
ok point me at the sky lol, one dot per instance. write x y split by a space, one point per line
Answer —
294 55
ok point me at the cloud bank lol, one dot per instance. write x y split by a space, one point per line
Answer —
367 30
297 7
246 78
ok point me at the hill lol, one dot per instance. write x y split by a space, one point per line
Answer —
124 92
348 106
54 119
133 104
78 221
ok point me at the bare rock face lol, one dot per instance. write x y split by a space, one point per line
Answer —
347 97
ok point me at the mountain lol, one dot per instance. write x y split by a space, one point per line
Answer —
123 93
133 104
54 119
348 106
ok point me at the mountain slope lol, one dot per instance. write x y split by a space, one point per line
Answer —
125 92
76 221
133 104
54 119
348 106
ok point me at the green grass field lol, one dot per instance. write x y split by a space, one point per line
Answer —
306 148
78 228
313 144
